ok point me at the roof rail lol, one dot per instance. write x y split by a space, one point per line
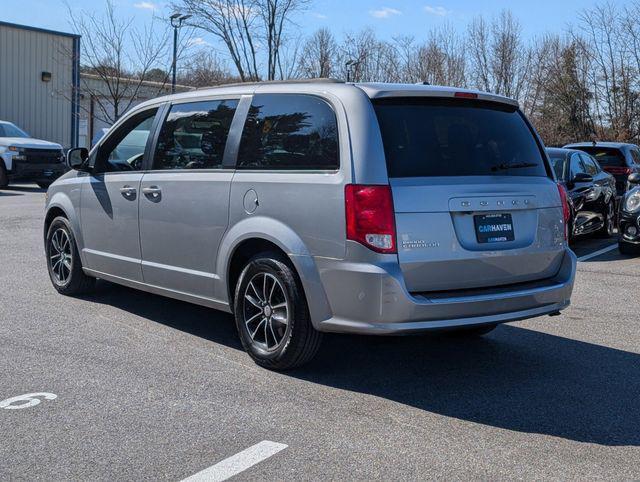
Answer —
290 81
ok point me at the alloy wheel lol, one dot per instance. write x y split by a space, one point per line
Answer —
611 219
266 311
60 256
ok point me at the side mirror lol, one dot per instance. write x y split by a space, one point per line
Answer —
634 178
582 177
77 158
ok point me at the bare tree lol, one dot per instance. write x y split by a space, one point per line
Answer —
205 68
276 14
245 27
613 39
120 57
499 59
478 38
557 98
364 58
318 57
439 61
234 22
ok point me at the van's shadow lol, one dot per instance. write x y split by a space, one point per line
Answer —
514 378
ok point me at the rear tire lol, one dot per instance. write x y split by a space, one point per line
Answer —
629 249
272 316
4 179
63 260
473 331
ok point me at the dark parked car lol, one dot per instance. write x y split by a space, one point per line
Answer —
629 242
616 158
591 192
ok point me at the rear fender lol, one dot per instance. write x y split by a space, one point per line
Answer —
278 233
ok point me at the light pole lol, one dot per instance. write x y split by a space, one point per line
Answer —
176 22
349 64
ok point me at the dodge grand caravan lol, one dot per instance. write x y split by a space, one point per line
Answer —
320 206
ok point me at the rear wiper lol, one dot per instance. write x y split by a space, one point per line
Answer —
515 165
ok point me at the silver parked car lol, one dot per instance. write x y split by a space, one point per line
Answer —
320 206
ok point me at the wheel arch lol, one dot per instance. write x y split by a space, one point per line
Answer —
254 235
60 205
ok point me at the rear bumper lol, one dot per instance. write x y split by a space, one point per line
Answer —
372 299
36 172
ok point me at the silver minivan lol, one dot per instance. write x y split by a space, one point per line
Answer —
320 206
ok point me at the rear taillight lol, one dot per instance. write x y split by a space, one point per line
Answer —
370 217
566 212
616 170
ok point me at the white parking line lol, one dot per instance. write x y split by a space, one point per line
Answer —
238 463
597 253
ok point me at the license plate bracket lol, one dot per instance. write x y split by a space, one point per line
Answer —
494 228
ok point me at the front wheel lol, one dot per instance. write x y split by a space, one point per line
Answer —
608 228
272 316
63 260
44 185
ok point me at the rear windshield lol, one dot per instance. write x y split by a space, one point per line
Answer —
606 156
456 137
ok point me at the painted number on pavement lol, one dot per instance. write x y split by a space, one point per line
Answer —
27 400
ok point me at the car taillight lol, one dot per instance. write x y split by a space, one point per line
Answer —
616 170
566 212
370 217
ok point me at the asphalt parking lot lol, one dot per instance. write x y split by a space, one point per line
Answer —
141 387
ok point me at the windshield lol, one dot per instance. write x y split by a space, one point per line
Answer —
10 130
456 137
606 156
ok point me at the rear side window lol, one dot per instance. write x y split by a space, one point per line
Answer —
194 135
606 156
557 164
291 132
455 137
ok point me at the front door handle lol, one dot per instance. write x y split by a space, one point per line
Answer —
152 192
128 192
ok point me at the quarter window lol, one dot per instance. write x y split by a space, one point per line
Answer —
194 135
289 132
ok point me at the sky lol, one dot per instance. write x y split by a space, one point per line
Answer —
388 18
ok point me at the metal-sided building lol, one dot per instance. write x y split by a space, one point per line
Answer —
39 81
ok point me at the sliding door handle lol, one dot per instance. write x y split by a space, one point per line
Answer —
152 192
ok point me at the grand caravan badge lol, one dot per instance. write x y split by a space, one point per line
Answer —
407 243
